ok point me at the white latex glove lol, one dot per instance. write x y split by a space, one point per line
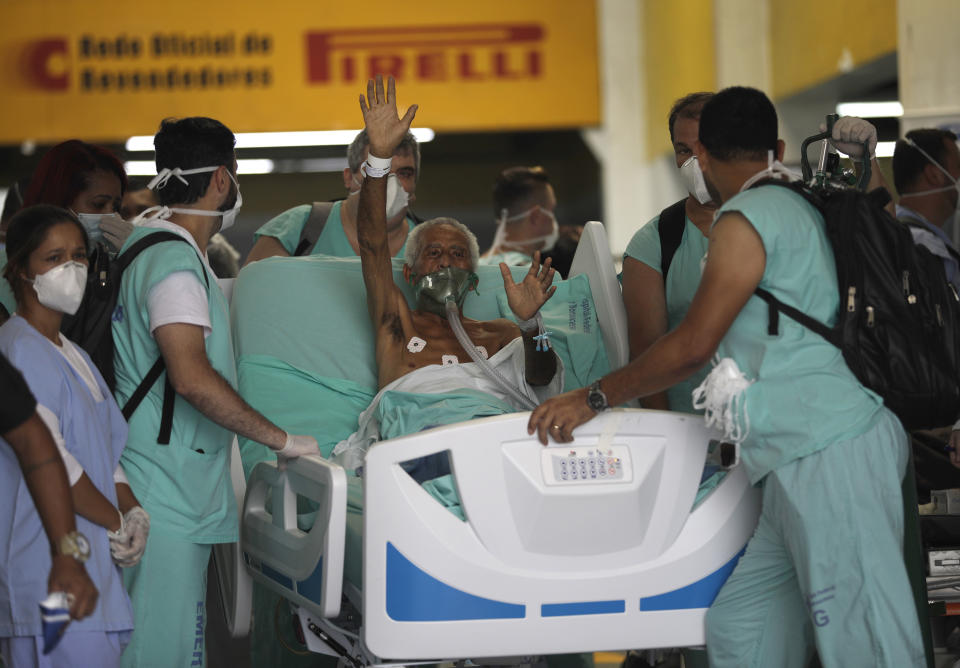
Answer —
294 447
849 133
115 230
128 543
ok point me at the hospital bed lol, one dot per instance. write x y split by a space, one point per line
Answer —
606 543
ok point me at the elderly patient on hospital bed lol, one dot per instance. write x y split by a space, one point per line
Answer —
423 354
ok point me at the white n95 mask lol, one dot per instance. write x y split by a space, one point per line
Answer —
549 240
229 217
61 288
692 177
397 197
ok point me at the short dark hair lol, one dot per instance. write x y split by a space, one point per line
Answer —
516 187
28 228
689 106
64 172
189 143
909 163
357 150
739 123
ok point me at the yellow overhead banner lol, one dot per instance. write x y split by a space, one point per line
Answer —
104 71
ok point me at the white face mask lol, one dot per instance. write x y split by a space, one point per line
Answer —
228 218
693 180
61 288
549 240
774 168
397 197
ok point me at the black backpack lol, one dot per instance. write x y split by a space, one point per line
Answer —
90 327
899 320
313 227
670 227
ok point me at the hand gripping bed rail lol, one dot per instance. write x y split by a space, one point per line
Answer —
305 567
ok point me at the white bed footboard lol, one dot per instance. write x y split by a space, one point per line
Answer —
305 567
570 548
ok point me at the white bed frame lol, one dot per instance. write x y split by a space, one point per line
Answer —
543 564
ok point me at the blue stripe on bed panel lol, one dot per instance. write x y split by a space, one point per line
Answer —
582 608
700 594
313 585
416 596
276 576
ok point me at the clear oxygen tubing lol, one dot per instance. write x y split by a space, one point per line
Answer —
453 318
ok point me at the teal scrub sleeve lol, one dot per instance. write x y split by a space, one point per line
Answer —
286 228
645 244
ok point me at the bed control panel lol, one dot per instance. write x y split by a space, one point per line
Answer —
565 466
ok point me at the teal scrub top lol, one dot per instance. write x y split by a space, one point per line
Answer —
805 397
683 278
188 493
512 258
288 226
6 292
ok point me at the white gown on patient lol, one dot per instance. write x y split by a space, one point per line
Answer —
442 394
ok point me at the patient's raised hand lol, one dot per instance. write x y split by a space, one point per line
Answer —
526 297
385 128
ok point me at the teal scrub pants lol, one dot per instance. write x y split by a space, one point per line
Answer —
825 565
168 590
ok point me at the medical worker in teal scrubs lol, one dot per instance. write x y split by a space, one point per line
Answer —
280 236
171 307
825 564
656 300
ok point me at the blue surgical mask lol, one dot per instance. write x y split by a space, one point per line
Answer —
91 223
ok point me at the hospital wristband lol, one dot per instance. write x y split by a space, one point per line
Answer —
535 322
376 167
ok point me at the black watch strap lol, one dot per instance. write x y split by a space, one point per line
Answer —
596 398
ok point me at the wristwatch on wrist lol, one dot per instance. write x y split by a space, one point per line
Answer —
74 544
596 399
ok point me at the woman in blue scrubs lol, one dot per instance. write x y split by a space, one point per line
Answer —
47 265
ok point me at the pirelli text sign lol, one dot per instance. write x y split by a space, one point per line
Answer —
292 65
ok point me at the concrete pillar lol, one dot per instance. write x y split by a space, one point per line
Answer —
634 187
619 143
928 68
742 34
928 63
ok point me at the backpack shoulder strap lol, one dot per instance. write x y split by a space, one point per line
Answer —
169 396
776 307
129 255
672 222
313 228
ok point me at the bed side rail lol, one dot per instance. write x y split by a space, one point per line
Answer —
303 565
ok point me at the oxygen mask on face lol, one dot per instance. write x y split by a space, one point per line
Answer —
435 289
